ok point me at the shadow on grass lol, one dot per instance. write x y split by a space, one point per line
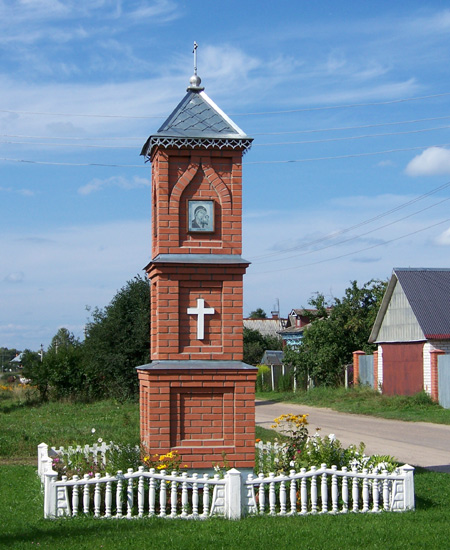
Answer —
19 405
73 533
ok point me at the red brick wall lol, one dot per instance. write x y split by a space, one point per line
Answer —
435 373
356 356
175 287
180 175
202 413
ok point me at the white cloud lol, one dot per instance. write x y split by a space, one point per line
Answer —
437 22
22 192
431 162
444 238
227 64
116 181
164 10
385 163
16 277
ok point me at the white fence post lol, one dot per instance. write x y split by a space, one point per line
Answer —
408 472
45 462
42 456
50 494
233 494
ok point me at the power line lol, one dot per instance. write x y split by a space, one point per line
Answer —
366 233
288 111
42 113
356 226
304 142
77 138
46 163
352 155
347 138
82 145
291 132
293 161
325 108
357 251
360 127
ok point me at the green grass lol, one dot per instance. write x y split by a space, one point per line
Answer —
24 424
23 526
364 400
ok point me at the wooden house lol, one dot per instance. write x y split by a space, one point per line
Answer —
411 330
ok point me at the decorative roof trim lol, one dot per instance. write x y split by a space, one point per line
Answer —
167 142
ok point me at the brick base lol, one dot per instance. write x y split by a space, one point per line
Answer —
204 411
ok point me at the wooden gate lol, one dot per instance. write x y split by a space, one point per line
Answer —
444 380
403 368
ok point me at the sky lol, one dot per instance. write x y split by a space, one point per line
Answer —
348 176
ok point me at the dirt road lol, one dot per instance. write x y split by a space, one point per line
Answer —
415 443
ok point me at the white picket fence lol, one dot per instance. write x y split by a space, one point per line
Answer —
151 493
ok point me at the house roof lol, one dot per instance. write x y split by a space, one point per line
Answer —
293 330
267 327
428 293
272 357
198 121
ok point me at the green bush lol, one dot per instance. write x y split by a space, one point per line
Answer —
285 382
263 379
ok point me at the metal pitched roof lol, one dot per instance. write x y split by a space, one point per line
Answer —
272 357
198 120
198 116
428 293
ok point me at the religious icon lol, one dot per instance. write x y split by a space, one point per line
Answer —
201 216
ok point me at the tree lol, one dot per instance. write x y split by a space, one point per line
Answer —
59 373
37 372
64 364
255 344
337 330
117 341
258 313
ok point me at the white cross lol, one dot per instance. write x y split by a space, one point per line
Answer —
201 311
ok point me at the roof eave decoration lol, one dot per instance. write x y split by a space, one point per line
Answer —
197 122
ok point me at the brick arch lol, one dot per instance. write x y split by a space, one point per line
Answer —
184 180
221 189
213 178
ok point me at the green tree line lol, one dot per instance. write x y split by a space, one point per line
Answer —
117 340
338 328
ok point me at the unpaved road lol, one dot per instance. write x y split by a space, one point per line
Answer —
416 443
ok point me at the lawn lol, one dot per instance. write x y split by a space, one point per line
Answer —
25 423
23 526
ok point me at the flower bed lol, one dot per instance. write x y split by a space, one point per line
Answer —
301 475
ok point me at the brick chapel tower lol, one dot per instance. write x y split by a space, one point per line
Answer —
196 395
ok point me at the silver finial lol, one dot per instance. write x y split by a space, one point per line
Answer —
195 80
